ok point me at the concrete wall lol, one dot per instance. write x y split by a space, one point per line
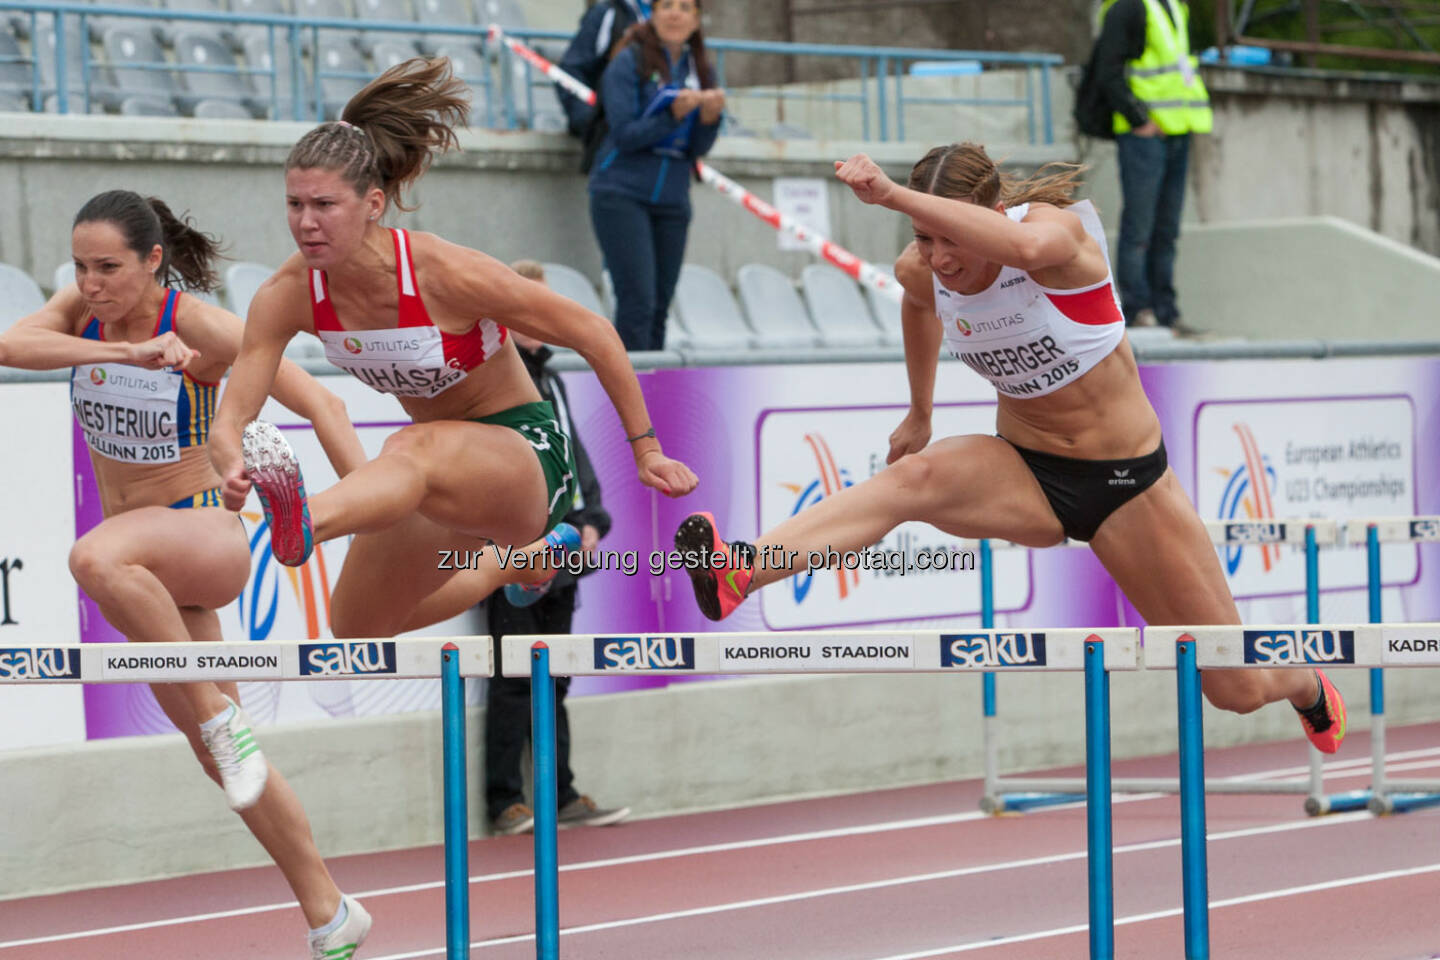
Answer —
115 811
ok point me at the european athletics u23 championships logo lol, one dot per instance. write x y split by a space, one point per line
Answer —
1249 495
97 376
829 479
353 345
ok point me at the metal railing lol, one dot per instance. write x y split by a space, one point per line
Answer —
506 83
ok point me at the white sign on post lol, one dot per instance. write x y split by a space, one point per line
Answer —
805 200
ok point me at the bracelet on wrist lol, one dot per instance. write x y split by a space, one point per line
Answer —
641 436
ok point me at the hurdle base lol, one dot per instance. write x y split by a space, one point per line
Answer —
1392 803
1020 802
1045 785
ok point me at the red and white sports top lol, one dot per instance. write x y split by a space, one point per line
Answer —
414 359
1030 340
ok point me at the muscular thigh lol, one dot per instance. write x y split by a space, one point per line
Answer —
1157 550
978 487
387 574
483 480
201 555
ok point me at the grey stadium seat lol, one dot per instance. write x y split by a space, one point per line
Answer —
64 275
99 26
76 52
390 52
443 13
222 110
467 64
776 313
390 10
338 55
241 281
20 295
257 57
205 50
325 10
15 77
243 32
569 282
887 314
148 107
124 45
11 103
171 29
838 308
708 310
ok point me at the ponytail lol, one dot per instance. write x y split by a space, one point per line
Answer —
187 258
391 130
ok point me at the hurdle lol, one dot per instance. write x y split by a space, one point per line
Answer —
1189 650
450 659
1017 794
1385 796
1095 652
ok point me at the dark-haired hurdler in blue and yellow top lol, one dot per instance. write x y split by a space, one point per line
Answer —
134 415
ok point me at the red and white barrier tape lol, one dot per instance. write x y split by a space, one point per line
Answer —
863 271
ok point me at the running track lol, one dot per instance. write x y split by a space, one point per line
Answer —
892 875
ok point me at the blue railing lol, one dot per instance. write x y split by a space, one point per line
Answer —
880 71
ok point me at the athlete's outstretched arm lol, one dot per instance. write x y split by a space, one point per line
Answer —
47 340
268 329
1042 241
220 335
922 352
475 281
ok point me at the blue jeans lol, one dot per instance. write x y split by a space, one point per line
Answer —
1152 185
644 248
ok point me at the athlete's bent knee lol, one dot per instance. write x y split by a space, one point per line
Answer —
1235 693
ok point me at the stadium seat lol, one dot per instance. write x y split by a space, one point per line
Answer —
15 76
101 25
257 57
393 10
141 106
64 275
887 314
77 51
467 64
13 103
206 50
20 295
52 104
569 282
241 281
392 51
125 45
837 308
338 55
547 114
708 311
172 29
443 13
326 10
244 32
777 315
222 110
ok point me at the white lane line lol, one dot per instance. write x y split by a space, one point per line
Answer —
892 882
860 830
1174 912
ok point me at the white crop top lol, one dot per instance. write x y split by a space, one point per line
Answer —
1030 340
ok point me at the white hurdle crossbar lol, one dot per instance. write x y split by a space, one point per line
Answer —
450 659
1096 652
1016 794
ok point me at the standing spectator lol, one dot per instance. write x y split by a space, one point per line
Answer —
663 112
524 610
601 29
1144 69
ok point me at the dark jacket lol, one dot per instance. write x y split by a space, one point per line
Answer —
1104 91
585 58
641 157
590 510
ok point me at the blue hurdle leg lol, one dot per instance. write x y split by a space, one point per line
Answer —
457 821
542 740
1020 802
1099 842
1192 805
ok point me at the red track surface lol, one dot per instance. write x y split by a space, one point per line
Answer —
894 875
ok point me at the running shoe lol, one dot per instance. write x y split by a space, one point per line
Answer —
584 812
342 942
562 540
271 466
1328 715
719 586
516 818
243 768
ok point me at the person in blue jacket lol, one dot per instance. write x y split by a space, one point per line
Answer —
663 111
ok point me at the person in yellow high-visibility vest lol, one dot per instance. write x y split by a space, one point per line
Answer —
1146 72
